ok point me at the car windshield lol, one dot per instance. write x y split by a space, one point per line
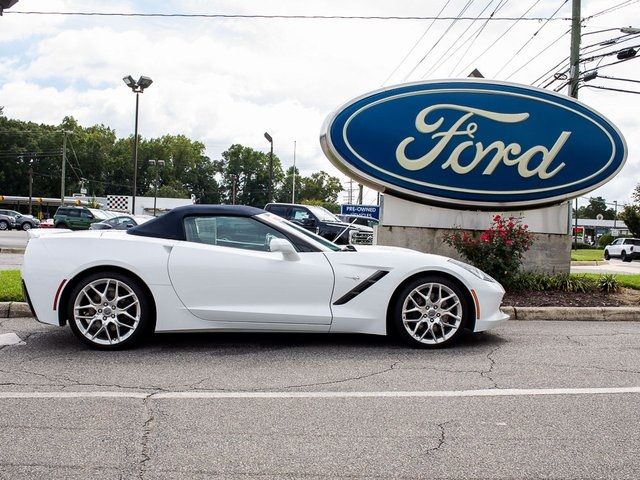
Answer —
98 214
316 238
323 214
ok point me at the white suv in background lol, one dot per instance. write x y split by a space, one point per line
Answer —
626 248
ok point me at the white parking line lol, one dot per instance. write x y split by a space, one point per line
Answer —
7 339
192 395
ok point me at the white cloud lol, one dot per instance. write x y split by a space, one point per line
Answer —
225 81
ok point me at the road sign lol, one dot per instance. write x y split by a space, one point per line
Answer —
372 211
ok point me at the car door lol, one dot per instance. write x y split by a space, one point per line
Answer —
226 272
615 248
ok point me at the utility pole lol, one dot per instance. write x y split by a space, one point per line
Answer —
615 212
350 191
30 183
293 187
234 179
574 68
64 166
359 194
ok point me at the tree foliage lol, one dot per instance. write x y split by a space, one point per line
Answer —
631 217
597 206
105 162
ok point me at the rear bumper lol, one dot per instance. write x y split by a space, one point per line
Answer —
25 293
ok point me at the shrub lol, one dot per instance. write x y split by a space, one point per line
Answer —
605 240
583 246
564 282
498 250
608 283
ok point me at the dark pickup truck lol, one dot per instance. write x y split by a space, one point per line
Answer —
321 221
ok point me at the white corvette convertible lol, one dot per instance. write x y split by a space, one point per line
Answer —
236 268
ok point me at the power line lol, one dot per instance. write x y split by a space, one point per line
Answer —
538 54
280 17
619 79
610 88
499 38
624 4
447 54
532 37
478 32
417 42
464 9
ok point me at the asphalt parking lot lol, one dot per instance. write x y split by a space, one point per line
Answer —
528 400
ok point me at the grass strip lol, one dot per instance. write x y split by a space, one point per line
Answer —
10 286
586 255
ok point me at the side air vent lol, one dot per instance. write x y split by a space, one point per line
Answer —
361 287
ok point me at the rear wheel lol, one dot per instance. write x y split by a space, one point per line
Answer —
623 256
109 311
61 225
431 312
4 225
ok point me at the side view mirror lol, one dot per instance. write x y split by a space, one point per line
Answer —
129 225
285 247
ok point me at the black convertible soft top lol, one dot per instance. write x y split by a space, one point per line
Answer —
170 225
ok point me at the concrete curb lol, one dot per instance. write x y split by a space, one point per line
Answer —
581 314
588 263
11 250
15 310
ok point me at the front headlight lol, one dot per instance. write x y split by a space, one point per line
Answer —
475 271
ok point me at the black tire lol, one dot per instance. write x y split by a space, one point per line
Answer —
4 225
606 255
136 334
429 318
61 225
26 226
623 256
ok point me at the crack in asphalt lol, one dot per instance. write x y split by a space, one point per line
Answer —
442 438
488 372
147 428
348 379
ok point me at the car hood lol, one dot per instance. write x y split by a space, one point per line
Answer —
361 228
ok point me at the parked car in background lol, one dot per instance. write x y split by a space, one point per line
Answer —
22 221
7 222
359 220
48 223
321 221
626 248
79 218
120 223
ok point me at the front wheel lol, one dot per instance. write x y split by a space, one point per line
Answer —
109 311
606 255
430 312
26 226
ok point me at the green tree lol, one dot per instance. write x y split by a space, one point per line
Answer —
636 193
597 206
320 186
630 215
250 168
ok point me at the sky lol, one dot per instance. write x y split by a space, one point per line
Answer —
225 81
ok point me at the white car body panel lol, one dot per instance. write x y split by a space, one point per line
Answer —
232 284
198 287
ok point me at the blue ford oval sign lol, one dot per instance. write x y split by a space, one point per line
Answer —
474 144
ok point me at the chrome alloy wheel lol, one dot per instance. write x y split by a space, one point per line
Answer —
432 313
107 311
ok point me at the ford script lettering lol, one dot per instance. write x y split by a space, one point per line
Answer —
474 144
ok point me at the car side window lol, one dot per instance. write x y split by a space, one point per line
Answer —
72 213
236 232
280 210
300 214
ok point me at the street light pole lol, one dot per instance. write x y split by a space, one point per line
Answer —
135 159
137 88
293 187
156 166
30 183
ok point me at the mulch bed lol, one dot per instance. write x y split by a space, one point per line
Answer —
625 298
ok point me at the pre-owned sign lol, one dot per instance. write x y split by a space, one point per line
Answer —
474 144
372 211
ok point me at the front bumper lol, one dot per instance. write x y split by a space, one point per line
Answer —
489 295
25 293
